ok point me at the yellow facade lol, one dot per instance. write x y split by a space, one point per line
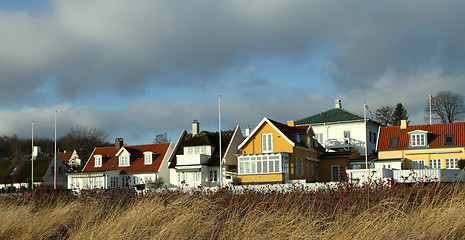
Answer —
302 160
424 154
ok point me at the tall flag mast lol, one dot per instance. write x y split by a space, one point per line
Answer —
55 158
366 138
32 157
219 126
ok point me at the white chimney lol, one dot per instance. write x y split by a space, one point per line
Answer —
247 131
195 127
337 103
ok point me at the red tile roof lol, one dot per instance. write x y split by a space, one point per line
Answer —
65 156
111 162
436 135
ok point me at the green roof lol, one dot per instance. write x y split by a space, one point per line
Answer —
330 116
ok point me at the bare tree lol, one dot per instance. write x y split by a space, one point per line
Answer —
83 139
447 107
384 115
161 138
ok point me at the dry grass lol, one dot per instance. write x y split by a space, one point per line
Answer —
417 211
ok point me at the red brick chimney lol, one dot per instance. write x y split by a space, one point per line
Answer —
118 143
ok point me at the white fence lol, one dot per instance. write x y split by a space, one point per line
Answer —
408 176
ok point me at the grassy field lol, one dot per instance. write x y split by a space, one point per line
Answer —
417 211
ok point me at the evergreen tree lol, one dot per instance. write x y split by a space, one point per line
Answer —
400 113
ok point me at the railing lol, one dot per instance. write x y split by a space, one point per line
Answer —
408 176
193 159
343 143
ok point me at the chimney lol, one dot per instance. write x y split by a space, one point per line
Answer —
118 143
195 127
337 103
403 124
291 123
247 131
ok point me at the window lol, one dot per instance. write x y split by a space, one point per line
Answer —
393 142
319 137
260 164
449 139
452 162
296 166
417 140
335 173
418 164
194 150
123 161
148 158
213 176
98 161
113 182
267 142
435 163
347 134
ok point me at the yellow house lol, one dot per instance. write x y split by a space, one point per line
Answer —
276 153
436 146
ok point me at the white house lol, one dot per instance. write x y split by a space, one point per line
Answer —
122 166
197 158
340 129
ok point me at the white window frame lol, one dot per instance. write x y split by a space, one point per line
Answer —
435 163
319 137
98 161
418 139
124 161
451 163
148 158
213 176
267 143
418 164
261 164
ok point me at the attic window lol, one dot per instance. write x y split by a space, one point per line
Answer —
124 161
148 158
449 140
98 160
417 140
394 142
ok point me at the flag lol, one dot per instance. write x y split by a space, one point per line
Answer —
369 110
432 99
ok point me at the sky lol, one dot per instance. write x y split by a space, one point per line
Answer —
136 69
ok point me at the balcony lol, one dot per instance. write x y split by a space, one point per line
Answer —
192 159
344 143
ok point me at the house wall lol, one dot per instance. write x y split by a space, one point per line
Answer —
424 154
163 171
304 173
262 178
357 131
325 167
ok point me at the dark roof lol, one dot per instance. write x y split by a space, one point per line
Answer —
331 116
111 161
436 135
290 132
204 138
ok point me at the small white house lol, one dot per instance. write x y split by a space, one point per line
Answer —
137 166
196 161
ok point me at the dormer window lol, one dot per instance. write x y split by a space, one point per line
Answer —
418 138
148 158
124 161
449 139
98 160
194 150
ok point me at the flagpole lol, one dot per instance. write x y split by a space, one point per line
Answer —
55 158
219 127
366 143
32 157
430 109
